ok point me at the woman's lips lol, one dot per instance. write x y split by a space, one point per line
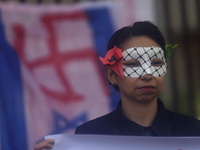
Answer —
147 88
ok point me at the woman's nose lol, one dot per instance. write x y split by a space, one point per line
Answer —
147 77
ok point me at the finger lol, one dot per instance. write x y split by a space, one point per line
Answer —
46 144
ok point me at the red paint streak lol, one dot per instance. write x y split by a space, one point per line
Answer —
56 59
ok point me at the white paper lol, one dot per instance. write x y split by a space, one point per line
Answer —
107 142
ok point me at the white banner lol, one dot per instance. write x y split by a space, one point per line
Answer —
107 142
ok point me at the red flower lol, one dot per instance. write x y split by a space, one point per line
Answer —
113 59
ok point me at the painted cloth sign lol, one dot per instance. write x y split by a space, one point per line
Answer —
51 77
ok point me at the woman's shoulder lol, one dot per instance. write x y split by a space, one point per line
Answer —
185 125
100 125
184 118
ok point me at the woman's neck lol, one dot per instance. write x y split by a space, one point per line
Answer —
142 113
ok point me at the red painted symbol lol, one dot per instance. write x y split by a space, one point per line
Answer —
55 58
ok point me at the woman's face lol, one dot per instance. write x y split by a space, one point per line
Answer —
144 88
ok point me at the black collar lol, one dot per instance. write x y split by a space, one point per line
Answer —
161 126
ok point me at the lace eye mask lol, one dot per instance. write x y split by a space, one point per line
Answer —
139 61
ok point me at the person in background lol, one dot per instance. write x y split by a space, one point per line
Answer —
136 65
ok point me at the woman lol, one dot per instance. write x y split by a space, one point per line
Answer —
135 65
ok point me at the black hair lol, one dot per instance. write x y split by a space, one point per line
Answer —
140 28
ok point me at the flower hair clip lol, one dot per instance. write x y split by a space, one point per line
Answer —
168 51
113 59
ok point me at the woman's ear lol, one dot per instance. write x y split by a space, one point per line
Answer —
112 77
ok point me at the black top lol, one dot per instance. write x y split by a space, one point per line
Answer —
166 123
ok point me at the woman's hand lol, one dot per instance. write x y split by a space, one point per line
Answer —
46 144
